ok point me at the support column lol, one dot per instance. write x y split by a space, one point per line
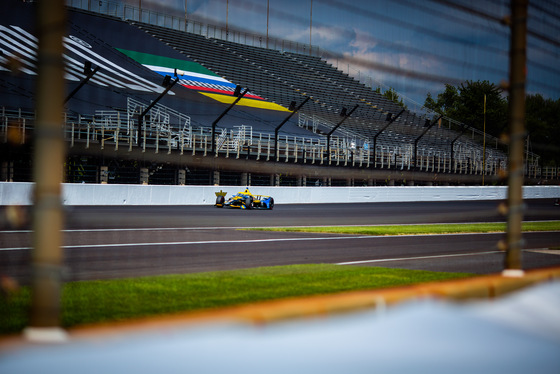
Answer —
181 177
216 178
7 172
103 174
144 175
245 179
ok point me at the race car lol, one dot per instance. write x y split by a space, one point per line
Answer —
244 200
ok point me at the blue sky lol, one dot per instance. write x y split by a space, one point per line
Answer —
412 46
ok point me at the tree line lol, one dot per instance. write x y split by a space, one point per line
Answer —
465 103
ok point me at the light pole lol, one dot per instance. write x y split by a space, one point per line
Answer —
484 143
310 25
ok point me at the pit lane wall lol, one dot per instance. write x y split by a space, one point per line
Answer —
16 193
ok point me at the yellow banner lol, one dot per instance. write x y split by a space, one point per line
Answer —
246 102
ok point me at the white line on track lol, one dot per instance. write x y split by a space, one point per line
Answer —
133 229
349 237
417 258
112 245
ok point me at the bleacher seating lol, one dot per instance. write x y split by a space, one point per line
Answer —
283 77
280 77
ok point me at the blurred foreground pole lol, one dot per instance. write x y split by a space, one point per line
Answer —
48 163
517 135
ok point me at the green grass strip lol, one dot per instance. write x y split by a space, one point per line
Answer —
418 229
89 302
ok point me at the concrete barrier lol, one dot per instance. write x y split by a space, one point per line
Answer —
16 193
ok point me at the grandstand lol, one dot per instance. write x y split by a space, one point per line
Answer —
131 124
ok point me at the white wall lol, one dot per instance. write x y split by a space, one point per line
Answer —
13 193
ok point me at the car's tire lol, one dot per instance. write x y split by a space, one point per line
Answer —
271 203
220 201
248 202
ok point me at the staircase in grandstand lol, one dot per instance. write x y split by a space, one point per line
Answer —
233 140
319 125
161 122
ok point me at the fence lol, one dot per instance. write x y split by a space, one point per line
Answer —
165 131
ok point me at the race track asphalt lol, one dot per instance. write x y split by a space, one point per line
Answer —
127 241
514 334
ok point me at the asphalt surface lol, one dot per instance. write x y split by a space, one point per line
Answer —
128 241
303 214
518 333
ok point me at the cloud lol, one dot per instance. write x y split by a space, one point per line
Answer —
362 42
326 37
365 47
164 5
374 62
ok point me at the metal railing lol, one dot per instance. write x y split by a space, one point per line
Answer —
115 129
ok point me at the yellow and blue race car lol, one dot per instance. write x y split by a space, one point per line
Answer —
244 200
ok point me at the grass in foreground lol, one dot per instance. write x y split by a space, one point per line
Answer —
89 302
418 229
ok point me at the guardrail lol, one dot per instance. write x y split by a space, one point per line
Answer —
16 193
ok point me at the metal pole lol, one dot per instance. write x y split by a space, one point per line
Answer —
393 119
47 255
213 140
149 107
82 83
452 158
517 136
421 136
484 144
227 16
334 129
310 25
286 120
